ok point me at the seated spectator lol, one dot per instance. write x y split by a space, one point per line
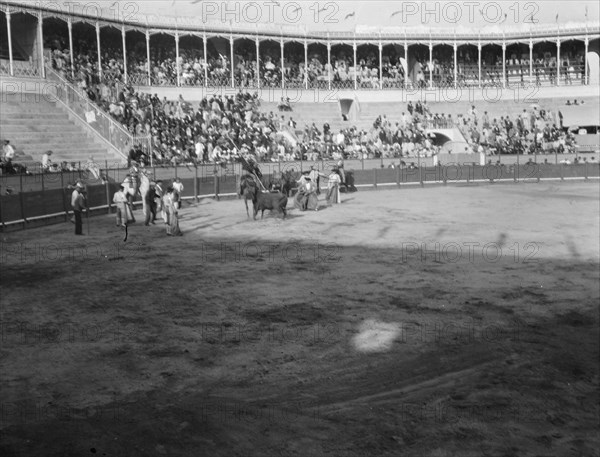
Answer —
284 105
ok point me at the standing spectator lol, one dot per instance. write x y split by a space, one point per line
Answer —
177 191
314 175
8 153
123 211
171 208
150 205
159 194
341 173
78 204
199 146
129 187
46 162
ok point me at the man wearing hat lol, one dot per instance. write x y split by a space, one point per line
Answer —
78 204
122 205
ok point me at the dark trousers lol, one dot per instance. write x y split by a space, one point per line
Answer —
78 222
150 213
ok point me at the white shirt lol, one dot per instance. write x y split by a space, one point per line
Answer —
9 152
199 149
334 179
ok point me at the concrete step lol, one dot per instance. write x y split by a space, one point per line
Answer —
38 120
12 111
63 149
45 122
54 134
40 101
33 115
35 125
39 131
22 157
26 97
57 146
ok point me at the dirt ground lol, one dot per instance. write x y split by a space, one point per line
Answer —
441 321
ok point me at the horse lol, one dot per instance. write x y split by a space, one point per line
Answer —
283 182
289 182
248 189
276 182
141 186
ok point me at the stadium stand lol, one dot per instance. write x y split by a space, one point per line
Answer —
118 83
35 125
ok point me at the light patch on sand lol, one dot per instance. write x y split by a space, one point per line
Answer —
376 336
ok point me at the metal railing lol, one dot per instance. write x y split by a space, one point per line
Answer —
343 84
88 113
137 79
21 68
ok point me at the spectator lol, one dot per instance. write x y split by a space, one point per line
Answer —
46 162
8 153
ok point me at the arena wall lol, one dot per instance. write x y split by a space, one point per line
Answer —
43 199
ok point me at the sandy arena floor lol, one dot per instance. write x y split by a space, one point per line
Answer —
443 321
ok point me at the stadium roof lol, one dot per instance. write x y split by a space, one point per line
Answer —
341 20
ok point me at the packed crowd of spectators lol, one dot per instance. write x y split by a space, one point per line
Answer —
221 126
195 69
533 131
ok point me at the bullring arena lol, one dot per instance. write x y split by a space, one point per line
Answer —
447 305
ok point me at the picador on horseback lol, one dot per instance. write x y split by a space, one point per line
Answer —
250 181
250 166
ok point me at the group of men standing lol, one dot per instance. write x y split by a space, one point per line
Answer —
167 202
309 189
157 201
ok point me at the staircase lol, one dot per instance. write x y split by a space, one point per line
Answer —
35 125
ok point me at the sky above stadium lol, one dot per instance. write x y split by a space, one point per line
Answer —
363 15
